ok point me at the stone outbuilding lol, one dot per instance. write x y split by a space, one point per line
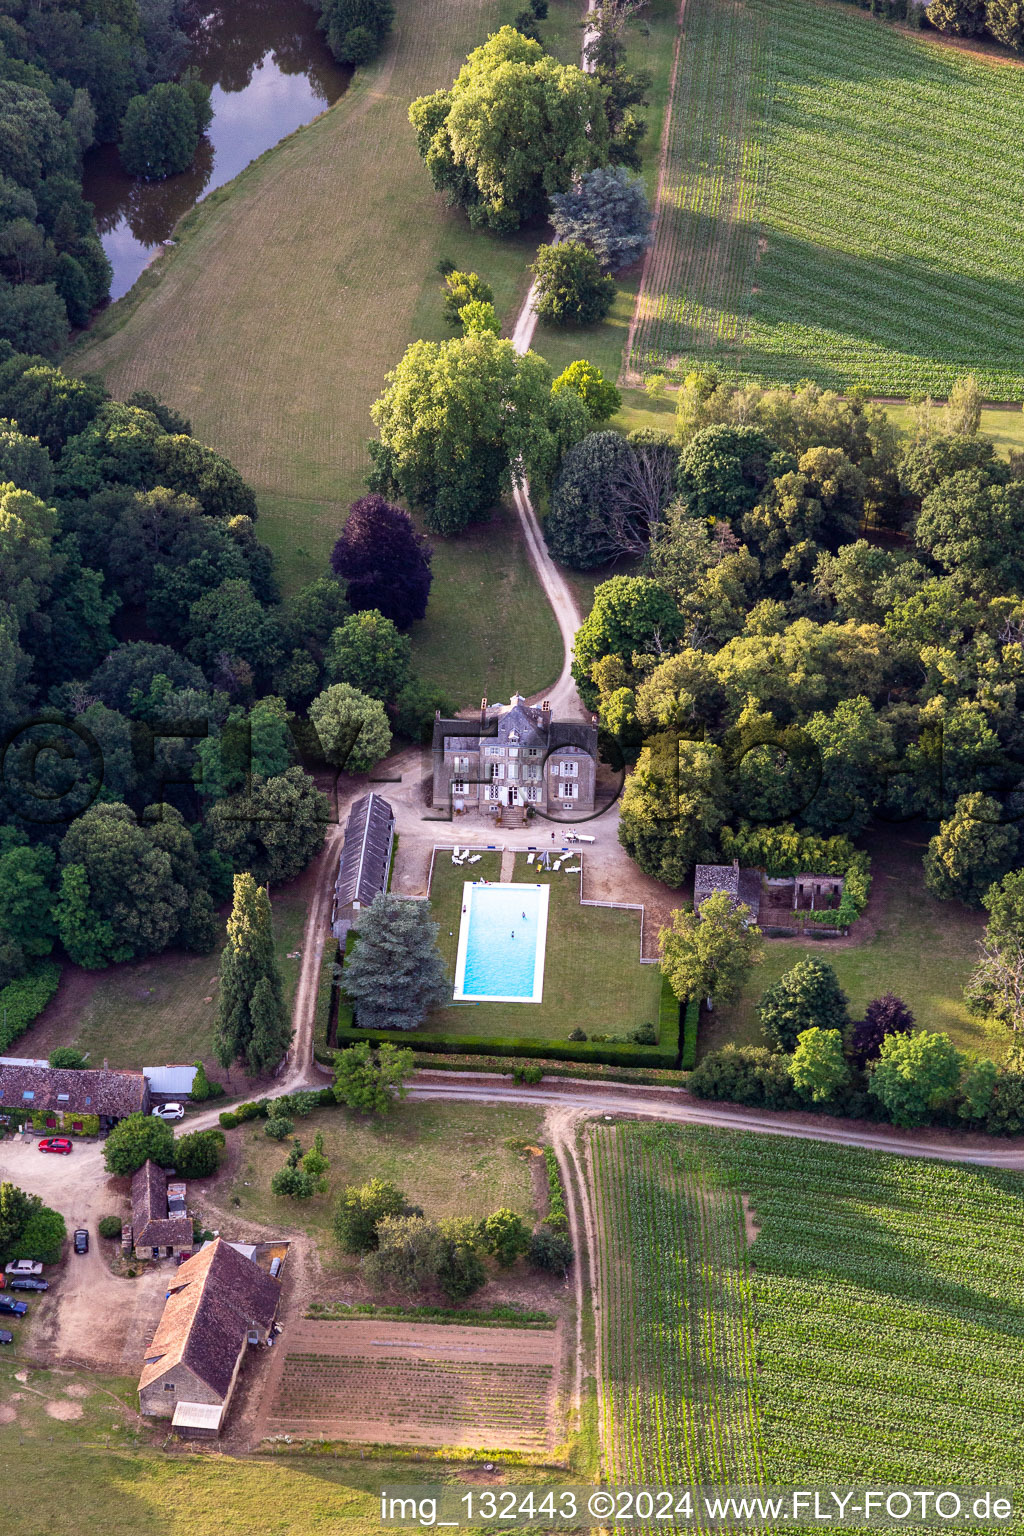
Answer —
365 859
63 1099
218 1305
743 886
157 1232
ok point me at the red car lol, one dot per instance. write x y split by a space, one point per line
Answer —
55 1144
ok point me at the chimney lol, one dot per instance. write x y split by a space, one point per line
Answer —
437 714
546 707
106 1065
483 711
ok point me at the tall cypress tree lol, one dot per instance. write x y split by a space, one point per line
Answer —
252 1020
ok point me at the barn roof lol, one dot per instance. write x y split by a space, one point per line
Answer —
91 1091
363 871
216 1297
152 1225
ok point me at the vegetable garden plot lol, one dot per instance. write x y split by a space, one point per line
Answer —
417 1384
876 1331
841 201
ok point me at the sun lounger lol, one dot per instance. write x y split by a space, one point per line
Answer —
475 858
529 858
573 869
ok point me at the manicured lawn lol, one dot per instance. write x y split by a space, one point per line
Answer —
799 239
922 949
593 979
157 1011
451 1159
288 298
111 1470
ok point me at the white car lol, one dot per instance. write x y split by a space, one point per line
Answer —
23 1267
170 1111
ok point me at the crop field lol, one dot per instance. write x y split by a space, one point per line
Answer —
416 1384
840 202
874 1329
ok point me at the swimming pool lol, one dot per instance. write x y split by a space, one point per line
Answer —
502 939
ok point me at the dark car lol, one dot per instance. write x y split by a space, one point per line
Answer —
11 1307
29 1283
55 1144
5 1337
81 1241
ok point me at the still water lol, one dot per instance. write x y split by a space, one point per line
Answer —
270 71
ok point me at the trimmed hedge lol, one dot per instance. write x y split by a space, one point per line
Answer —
610 1052
23 1000
691 1020
668 1013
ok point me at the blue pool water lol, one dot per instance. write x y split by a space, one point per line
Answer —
501 944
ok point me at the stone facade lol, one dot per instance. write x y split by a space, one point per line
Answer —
515 755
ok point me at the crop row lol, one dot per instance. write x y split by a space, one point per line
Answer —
805 231
878 1333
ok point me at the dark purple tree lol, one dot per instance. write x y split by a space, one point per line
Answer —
886 1015
384 560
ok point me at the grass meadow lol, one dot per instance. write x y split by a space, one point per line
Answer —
450 1159
110 1468
811 229
593 979
872 1332
922 949
156 1010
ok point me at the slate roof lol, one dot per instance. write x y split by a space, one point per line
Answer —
363 871
93 1091
535 728
152 1225
216 1298
743 885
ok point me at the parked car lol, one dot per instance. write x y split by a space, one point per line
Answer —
23 1267
5 1337
170 1111
11 1307
27 1283
55 1144
81 1240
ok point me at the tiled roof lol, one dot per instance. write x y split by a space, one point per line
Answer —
218 1296
535 727
89 1092
152 1226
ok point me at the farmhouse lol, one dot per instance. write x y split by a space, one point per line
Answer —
365 858
57 1098
218 1304
156 1233
514 755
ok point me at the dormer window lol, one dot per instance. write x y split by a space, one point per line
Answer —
63 1098
28 1095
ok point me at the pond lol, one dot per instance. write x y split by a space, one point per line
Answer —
270 71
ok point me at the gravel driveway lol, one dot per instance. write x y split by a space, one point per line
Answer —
90 1316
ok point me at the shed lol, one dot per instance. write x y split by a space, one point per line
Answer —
170 1082
198 1421
365 856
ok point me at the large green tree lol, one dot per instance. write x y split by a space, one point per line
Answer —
273 827
361 1209
672 807
972 849
395 973
630 614
818 1065
459 419
127 889
252 1020
915 1075
371 1080
136 1140
1005 21
709 954
160 132
515 127
352 728
369 652
808 996
571 289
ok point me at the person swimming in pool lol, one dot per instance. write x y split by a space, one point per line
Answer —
513 933
524 917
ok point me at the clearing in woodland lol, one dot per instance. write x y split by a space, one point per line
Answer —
289 296
404 1383
840 201
873 1331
